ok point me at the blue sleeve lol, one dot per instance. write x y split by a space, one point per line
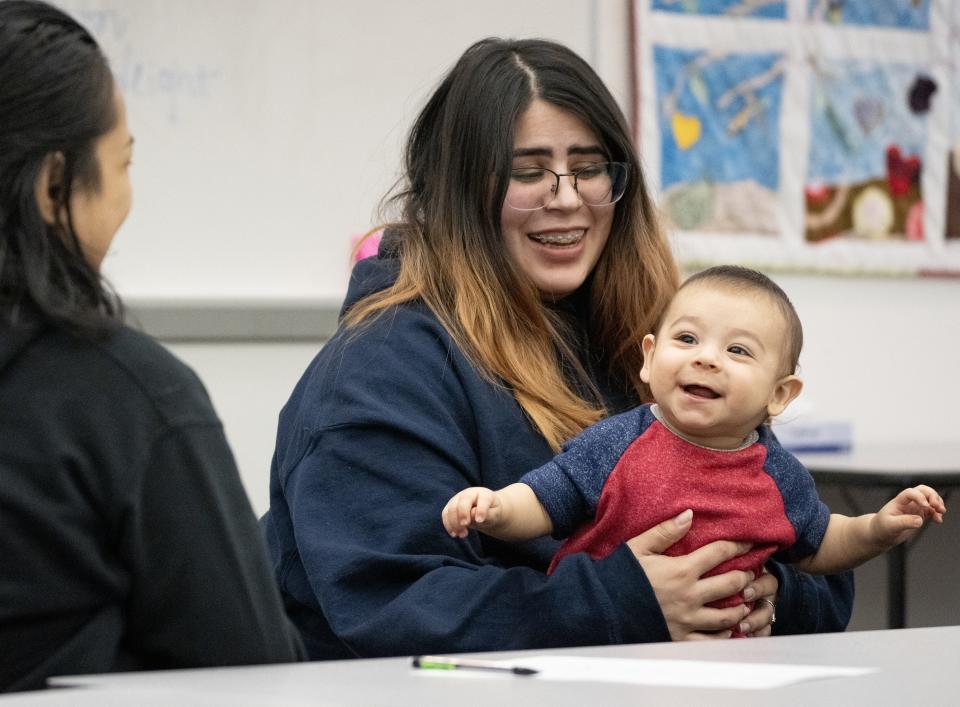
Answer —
570 484
808 603
807 514
393 431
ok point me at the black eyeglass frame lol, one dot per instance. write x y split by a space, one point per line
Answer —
576 176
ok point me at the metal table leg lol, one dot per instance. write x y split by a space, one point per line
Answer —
897 586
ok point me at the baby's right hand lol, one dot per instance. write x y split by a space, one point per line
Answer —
475 507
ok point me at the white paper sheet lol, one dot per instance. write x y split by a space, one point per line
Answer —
673 673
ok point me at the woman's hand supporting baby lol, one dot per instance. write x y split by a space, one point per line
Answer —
683 593
514 513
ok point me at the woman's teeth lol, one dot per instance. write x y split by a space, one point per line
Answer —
567 238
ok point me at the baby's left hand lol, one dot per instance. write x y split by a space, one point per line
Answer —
902 517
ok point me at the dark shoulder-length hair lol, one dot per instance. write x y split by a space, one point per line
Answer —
458 160
56 98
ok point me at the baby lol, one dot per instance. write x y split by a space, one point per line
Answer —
721 365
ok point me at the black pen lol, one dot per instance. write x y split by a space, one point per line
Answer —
435 662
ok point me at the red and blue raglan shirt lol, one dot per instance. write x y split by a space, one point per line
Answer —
629 472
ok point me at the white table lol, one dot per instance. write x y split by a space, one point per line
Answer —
916 667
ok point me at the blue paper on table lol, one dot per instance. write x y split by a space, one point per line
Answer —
805 437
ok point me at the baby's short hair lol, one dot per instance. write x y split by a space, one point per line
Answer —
741 279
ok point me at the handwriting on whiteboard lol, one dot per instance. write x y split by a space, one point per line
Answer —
173 85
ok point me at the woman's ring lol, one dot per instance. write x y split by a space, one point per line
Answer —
773 609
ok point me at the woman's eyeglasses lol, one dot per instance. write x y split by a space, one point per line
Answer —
532 188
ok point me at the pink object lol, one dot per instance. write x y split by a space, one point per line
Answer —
368 247
816 192
914 225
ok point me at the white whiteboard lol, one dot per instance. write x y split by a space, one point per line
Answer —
267 131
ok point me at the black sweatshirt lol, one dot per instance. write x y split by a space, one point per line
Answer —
126 539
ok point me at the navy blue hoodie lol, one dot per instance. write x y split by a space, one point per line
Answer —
387 423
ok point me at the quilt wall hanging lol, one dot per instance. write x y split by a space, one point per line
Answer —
804 135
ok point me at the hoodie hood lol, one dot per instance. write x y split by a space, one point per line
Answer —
374 273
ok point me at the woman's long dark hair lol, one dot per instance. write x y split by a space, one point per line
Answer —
458 161
56 98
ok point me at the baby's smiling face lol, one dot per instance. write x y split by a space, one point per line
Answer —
717 366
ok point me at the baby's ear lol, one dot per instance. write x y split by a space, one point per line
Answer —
649 341
784 392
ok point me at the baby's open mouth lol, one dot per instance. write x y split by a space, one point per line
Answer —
701 391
